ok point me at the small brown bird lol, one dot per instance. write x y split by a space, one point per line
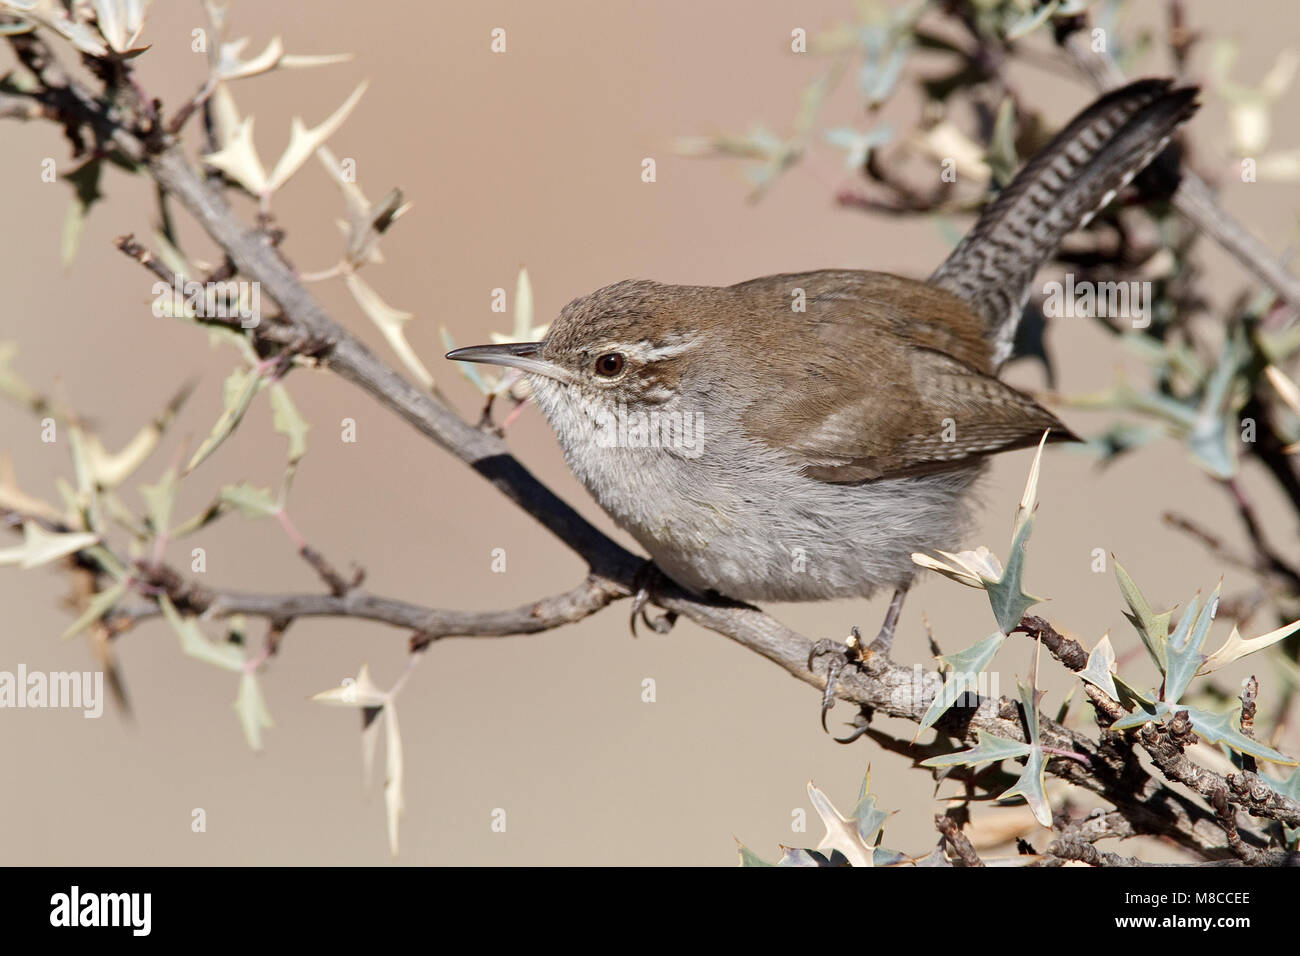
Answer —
797 437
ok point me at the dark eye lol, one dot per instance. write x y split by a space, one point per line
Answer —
610 364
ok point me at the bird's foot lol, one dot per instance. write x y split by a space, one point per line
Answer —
648 579
850 651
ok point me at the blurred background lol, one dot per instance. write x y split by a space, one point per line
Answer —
529 158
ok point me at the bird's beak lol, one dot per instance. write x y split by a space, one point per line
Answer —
525 356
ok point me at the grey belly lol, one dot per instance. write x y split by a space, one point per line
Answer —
813 542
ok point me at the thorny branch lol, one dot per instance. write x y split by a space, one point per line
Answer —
1143 804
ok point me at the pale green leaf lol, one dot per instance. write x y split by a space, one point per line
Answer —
1225 728
1183 652
1029 698
1146 711
394 798
790 856
195 644
41 547
303 141
871 819
842 833
288 422
251 502
1101 668
390 322
1032 785
99 605
240 388
251 708
962 675
1235 647
1007 596
989 749
975 569
158 499
1151 627
238 159
360 691
749 858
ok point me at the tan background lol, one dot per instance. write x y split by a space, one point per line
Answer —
532 157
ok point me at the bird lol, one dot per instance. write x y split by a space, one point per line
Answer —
799 436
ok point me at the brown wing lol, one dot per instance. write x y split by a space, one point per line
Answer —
960 414
879 401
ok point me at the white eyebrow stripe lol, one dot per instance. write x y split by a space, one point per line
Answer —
671 346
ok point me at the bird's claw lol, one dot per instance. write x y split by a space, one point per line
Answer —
647 578
845 652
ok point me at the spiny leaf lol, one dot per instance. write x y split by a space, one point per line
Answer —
241 386
41 547
1153 628
1007 595
287 421
749 858
1235 648
963 669
1212 440
990 748
1146 710
238 159
1101 668
1029 698
971 568
842 833
1225 728
360 691
1131 697
158 499
120 22
303 141
201 520
195 644
251 502
1032 785
1184 648
390 322
99 605
871 819
790 856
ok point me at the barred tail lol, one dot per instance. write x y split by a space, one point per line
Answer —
1058 191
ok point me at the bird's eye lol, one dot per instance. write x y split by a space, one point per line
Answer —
610 364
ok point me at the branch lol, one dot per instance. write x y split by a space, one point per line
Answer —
958 841
430 624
